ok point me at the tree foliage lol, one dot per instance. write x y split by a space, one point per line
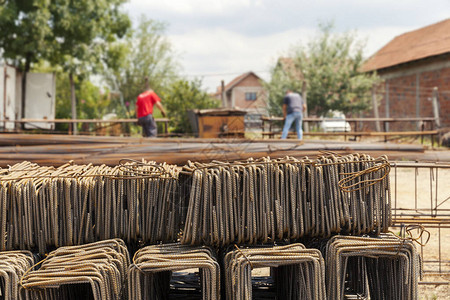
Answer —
70 34
331 66
92 102
26 32
82 30
76 39
281 80
181 96
144 53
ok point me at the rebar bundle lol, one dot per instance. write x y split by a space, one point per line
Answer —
67 271
43 207
385 267
356 193
299 272
149 275
266 200
13 265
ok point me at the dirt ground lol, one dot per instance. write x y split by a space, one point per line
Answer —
434 291
405 186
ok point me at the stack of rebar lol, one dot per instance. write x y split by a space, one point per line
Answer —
43 207
299 272
13 265
252 202
266 200
356 193
92 271
385 268
150 273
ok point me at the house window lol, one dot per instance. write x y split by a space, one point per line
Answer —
250 96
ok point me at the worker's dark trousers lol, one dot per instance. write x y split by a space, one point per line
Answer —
148 126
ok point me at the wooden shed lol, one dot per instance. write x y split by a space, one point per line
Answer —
222 122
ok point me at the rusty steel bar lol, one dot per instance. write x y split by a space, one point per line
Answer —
74 204
410 164
149 274
288 198
311 119
79 120
434 178
428 224
436 217
385 267
102 265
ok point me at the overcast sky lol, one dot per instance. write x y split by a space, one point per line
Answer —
221 39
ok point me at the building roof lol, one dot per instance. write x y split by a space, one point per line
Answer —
220 112
425 42
236 81
287 64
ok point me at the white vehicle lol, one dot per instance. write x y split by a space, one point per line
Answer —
335 123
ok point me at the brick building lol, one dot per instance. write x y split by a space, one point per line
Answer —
246 92
411 66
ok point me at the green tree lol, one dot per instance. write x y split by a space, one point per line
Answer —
25 32
93 103
70 34
145 53
331 66
181 96
82 31
282 78
25 35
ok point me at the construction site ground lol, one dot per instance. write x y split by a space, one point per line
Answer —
430 286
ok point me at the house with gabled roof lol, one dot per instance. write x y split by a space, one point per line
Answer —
245 92
412 65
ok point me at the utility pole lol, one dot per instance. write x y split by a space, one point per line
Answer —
386 124
305 113
375 109
437 120
224 100
74 104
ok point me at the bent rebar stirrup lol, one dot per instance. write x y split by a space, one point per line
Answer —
299 272
102 265
13 265
385 267
44 207
149 275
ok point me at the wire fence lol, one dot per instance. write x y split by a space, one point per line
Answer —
421 197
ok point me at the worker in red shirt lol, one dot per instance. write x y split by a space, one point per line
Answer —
144 112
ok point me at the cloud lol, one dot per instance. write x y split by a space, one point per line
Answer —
236 36
199 7
259 17
217 53
207 52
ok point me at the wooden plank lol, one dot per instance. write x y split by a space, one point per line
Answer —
81 120
403 133
360 133
311 119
